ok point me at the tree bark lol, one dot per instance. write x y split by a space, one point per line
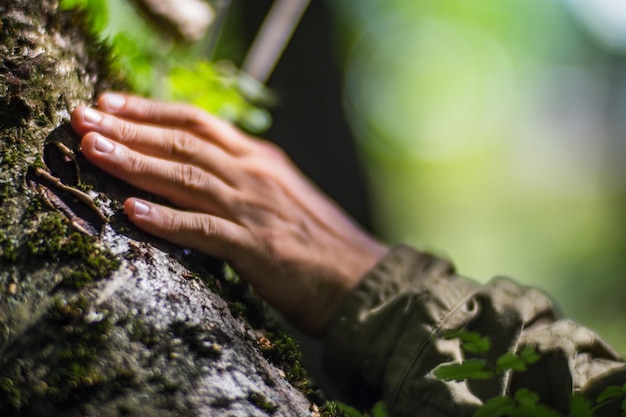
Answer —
96 318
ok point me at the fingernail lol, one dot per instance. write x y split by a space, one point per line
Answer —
114 101
104 145
141 209
92 116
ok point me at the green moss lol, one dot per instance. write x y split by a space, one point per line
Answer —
201 340
39 163
240 297
284 352
144 333
237 308
53 240
47 240
84 186
126 409
332 409
9 248
70 370
35 205
11 157
96 264
9 393
63 312
170 386
73 369
7 191
261 402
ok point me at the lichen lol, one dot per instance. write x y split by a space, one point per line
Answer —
263 403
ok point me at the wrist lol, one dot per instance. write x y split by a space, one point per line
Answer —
352 270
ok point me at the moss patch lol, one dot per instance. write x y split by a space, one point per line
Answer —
88 261
263 403
283 351
7 247
68 367
203 341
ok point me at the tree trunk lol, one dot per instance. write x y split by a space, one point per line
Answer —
96 318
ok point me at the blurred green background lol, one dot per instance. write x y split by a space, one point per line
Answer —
494 132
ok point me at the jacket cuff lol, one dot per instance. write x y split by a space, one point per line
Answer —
365 332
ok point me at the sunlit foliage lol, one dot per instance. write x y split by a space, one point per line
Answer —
160 66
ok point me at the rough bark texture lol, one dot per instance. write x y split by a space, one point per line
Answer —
96 319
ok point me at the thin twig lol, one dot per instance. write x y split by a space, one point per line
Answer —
273 36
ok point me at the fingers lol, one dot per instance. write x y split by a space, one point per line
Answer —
170 144
209 234
178 115
186 185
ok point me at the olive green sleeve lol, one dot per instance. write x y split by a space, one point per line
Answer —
386 340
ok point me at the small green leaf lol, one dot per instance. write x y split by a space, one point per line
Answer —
510 361
349 411
69 4
256 119
529 355
97 11
469 369
470 341
526 397
496 407
610 393
380 410
216 91
580 406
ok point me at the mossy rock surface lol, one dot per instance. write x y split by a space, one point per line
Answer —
96 318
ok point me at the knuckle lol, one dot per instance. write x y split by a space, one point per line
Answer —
171 222
264 172
125 132
270 246
136 163
206 227
190 177
182 145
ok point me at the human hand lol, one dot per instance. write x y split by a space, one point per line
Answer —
237 197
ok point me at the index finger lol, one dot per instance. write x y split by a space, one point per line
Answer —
184 116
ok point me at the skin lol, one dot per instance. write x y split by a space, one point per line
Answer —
236 197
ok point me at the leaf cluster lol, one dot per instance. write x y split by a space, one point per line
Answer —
522 403
480 368
156 66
